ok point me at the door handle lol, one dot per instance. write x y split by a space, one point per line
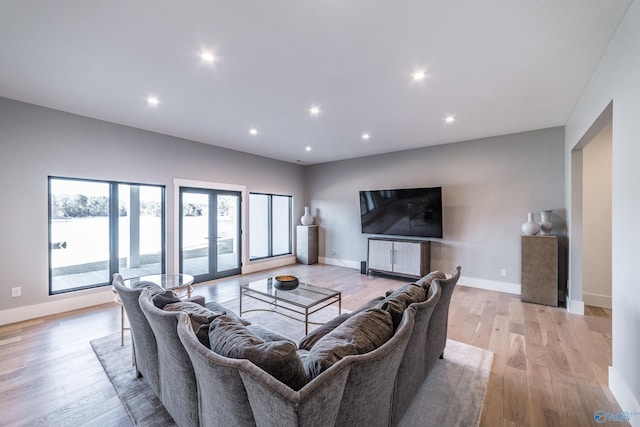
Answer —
59 245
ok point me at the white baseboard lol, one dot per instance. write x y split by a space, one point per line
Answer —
58 304
343 263
597 300
266 264
575 306
625 398
490 285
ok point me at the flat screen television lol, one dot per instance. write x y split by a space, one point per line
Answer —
402 212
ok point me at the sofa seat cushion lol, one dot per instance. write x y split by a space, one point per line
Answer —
201 317
230 338
361 333
400 299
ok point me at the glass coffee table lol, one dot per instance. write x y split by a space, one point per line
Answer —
304 300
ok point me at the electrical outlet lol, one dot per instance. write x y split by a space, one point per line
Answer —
16 292
503 272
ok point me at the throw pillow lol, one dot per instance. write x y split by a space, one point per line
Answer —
200 317
395 308
214 306
230 338
425 282
161 299
266 334
153 288
312 337
361 333
400 299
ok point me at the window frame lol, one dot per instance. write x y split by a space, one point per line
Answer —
113 225
270 197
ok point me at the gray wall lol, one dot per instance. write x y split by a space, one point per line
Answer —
489 185
617 78
36 142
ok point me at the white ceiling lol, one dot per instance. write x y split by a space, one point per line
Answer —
499 66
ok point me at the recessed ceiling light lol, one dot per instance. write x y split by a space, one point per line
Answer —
308 149
207 56
366 136
419 75
450 119
314 110
253 131
153 100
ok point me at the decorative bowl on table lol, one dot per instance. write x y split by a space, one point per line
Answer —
286 282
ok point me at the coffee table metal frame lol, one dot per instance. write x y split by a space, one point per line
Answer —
304 300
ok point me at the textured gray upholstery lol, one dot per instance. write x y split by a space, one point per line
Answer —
200 387
368 393
413 367
397 301
144 341
425 281
357 390
311 338
360 334
178 391
145 350
437 335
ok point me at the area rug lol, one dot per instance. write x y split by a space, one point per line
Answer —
452 395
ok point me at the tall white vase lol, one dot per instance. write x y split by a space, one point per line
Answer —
545 223
530 228
307 218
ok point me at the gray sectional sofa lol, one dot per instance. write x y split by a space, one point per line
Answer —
361 368
145 351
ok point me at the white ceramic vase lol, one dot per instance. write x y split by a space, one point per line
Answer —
530 228
307 218
545 223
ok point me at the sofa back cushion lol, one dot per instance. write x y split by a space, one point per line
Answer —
200 317
361 333
230 338
161 297
400 299
219 308
425 281
312 337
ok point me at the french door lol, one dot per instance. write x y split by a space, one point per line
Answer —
210 244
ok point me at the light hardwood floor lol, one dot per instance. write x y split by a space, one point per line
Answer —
549 367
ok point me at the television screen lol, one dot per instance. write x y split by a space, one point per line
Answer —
402 212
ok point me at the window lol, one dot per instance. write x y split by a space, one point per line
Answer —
98 228
269 225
